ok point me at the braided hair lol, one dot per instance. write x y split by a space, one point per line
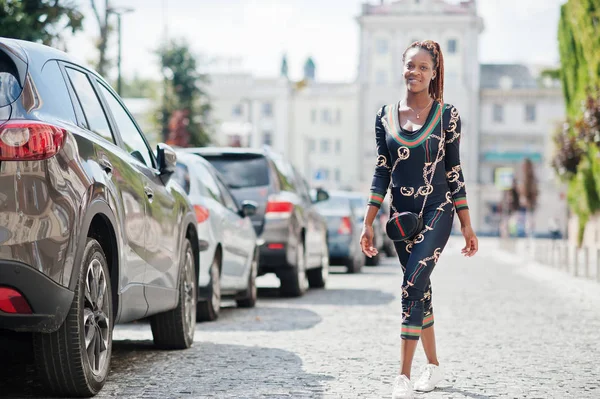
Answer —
436 88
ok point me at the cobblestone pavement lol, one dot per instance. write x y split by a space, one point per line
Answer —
506 329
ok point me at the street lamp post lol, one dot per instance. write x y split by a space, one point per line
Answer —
119 11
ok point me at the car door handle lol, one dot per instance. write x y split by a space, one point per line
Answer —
149 192
106 165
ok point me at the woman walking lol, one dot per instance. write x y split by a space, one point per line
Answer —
418 160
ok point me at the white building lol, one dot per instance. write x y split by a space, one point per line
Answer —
386 30
324 137
249 111
518 115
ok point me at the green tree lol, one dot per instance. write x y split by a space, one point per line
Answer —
185 105
42 21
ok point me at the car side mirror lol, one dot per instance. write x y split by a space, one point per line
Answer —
248 208
322 195
167 160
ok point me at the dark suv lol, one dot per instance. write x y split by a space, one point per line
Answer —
92 230
292 235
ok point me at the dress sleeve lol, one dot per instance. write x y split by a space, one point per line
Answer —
382 175
454 173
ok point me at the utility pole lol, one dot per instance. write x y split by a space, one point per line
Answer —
119 12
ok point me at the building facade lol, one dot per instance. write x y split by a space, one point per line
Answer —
519 112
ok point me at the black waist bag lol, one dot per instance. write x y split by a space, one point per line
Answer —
403 226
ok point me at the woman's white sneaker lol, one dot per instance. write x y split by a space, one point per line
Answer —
431 376
403 388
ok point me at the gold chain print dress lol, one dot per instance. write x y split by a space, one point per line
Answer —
405 162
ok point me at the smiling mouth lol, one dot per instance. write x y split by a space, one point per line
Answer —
412 80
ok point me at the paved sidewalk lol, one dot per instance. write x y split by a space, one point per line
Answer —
506 329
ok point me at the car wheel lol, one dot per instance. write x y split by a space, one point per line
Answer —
294 282
374 261
75 359
248 297
209 310
355 263
317 278
175 329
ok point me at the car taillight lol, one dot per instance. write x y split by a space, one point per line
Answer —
345 226
279 208
29 141
201 213
12 301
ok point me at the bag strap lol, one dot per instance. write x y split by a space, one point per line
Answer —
429 187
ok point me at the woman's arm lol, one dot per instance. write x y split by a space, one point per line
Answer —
383 168
379 186
456 182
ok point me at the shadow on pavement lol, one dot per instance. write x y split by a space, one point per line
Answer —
262 319
332 296
139 370
464 393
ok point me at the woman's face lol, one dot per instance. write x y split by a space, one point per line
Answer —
418 69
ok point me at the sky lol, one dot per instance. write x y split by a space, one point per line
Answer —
252 35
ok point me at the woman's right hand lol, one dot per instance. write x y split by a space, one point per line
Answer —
366 241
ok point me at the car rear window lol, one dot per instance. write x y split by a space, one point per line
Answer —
334 203
241 170
10 85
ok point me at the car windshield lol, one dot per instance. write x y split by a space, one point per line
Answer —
240 171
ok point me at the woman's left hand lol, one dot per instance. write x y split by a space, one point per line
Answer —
471 243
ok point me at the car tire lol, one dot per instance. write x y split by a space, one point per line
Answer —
317 278
294 282
210 309
248 297
174 329
354 264
374 261
62 358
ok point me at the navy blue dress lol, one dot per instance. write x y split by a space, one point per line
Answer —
405 161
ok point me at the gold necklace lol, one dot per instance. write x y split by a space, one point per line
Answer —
419 113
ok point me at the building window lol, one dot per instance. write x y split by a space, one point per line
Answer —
530 113
267 138
312 146
498 113
236 110
267 109
326 116
313 115
324 146
337 175
452 46
338 116
382 46
338 146
381 77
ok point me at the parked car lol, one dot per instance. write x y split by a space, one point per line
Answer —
94 231
292 235
343 231
359 203
229 263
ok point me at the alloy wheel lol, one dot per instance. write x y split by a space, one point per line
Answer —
96 317
189 296
215 279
